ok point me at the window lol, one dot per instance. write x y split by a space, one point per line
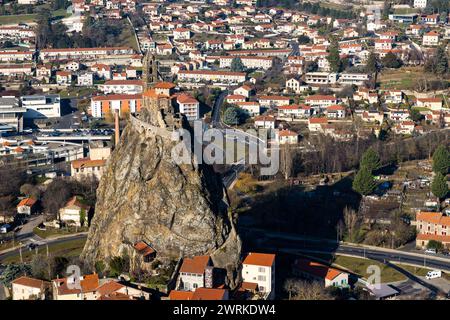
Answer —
261 278
261 269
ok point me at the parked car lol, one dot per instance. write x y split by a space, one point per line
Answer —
433 274
431 251
5 228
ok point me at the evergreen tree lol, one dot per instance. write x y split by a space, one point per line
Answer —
441 59
333 57
390 60
370 160
441 160
364 182
232 116
439 186
372 65
237 65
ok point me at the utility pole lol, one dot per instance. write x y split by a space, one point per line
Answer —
20 253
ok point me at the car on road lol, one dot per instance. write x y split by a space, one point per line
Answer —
431 251
5 228
433 274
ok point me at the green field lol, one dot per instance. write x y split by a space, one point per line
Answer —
53 232
27 18
359 266
17 19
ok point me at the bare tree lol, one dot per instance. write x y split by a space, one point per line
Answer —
306 290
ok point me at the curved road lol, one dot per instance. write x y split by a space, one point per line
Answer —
42 245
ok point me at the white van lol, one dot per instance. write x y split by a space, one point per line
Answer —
431 251
433 274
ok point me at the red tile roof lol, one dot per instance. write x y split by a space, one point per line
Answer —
209 294
316 269
29 282
109 287
29 202
260 259
433 217
87 163
180 295
195 265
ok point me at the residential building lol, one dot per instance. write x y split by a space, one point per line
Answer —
92 166
286 137
25 288
321 101
193 272
317 124
27 206
70 288
330 277
432 103
74 212
122 87
357 79
431 39
432 226
335 112
251 107
124 103
189 106
63 78
243 90
273 101
259 268
85 79
321 78
420 4
266 122
226 77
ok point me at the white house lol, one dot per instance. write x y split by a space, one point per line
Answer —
266 122
243 90
85 79
189 106
74 212
181 34
294 84
259 268
27 206
431 38
432 103
420 4
25 288
251 107
330 277
336 112
192 273
286 137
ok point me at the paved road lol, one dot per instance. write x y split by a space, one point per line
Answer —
42 243
293 243
216 123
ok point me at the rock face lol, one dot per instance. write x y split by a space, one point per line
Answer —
179 210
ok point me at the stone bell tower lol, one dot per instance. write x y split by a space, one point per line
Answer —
149 70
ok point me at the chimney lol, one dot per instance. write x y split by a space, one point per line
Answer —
116 127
